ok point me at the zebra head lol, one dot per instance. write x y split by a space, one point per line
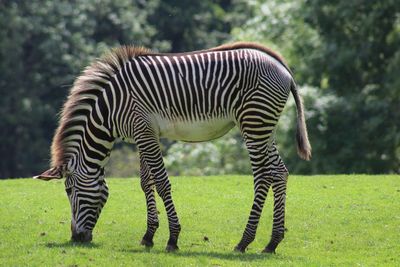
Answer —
87 193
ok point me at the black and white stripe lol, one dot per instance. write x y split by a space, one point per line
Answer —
194 96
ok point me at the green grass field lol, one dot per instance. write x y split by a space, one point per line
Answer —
347 220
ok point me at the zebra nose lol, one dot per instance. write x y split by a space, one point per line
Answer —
82 237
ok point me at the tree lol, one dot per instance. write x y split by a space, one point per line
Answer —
359 58
226 155
347 51
193 25
44 45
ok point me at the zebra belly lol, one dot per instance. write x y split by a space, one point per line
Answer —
194 131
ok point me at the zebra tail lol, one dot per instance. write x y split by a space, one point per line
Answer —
303 144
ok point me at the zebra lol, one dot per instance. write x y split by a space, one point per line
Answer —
138 95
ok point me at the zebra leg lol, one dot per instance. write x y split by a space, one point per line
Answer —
147 184
150 150
279 174
163 187
262 184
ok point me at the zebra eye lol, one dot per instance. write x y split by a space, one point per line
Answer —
68 190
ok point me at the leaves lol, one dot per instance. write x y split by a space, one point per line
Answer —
44 46
345 52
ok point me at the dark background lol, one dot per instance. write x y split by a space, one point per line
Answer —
345 56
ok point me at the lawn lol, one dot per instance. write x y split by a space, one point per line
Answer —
345 220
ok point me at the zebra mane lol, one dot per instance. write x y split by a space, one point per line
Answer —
95 75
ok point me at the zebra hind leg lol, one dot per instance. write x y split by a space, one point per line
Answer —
163 187
262 184
279 174
147 184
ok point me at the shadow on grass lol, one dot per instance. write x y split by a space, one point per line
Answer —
231 256
234 256
70 244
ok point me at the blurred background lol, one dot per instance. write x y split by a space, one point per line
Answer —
345 55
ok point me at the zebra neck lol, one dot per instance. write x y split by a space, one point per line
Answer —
86 167
87 146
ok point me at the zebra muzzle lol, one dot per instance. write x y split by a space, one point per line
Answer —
82 237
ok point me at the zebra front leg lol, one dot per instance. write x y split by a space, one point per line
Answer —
151 153
152 219
280 175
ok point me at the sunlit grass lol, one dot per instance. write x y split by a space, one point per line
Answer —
345 220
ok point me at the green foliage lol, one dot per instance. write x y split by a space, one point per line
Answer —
345 52
44 45
360 45
331 221
317 104
349 50
193 25
124 161
226 155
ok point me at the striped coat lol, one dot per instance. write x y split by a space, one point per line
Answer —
139 96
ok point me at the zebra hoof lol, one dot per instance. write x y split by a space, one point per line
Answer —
269 251
239 249
171 248
147 243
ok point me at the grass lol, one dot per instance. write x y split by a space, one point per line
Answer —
345 220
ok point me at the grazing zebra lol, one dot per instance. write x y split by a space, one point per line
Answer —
139 96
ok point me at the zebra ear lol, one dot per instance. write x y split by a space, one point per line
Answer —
53 173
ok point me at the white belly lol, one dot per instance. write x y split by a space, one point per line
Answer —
196 131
